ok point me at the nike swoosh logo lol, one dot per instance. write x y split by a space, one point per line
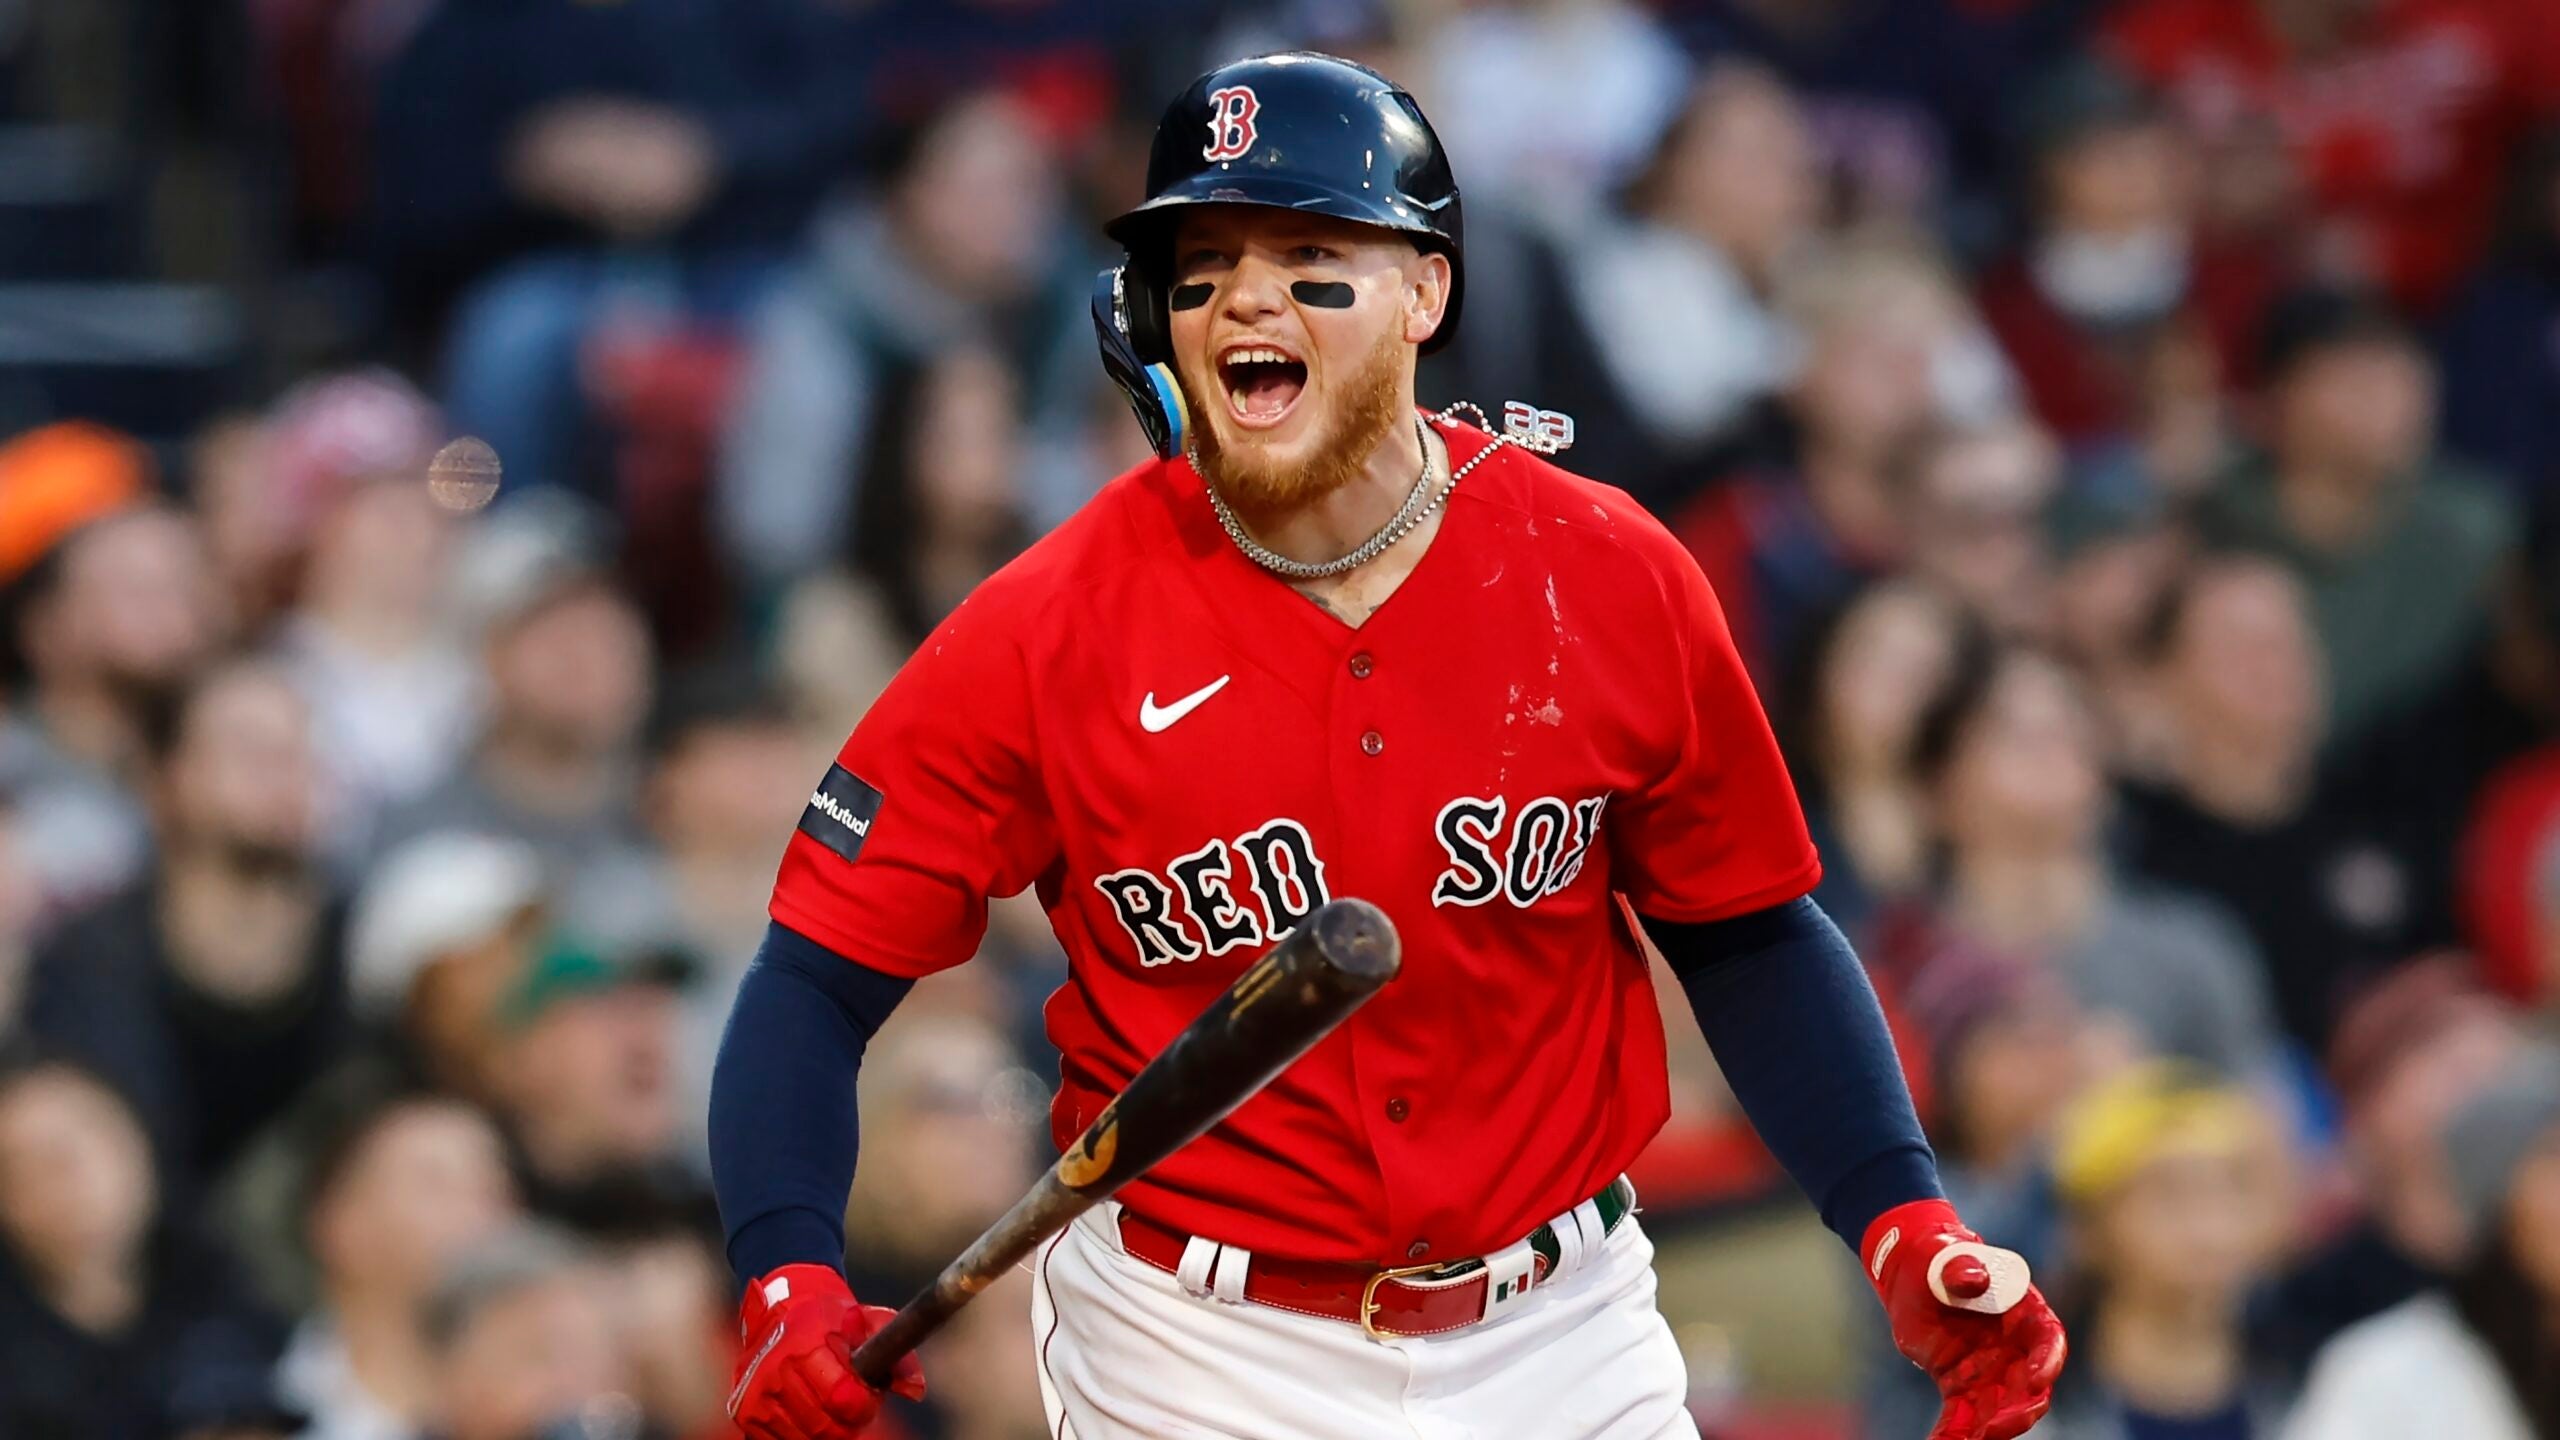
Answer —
1156 719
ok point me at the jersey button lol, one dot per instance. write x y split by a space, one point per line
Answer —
1361 665
1417 1249
1397 1109
1372 743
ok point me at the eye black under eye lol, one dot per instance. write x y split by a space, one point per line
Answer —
1325 294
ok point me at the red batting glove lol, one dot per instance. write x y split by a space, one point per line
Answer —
795 1381
1966 1313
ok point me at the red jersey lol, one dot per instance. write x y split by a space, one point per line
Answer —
1186 757
2402 136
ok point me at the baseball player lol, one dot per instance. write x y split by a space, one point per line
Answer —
1325 645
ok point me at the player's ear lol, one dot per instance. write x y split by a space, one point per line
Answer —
1426 296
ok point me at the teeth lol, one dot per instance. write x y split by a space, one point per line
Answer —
1260 355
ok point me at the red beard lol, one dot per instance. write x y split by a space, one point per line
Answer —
1261 491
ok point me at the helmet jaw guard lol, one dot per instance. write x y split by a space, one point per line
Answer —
1153 391
1302 132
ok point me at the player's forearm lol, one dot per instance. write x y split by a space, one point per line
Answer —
1796 1028
783 1124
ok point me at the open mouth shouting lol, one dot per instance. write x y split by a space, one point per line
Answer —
1262 381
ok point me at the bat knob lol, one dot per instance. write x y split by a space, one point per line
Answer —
1982 1278
1356 938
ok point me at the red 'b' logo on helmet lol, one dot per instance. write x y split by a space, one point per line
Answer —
1231 113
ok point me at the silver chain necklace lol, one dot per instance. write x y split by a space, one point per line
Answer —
1418 507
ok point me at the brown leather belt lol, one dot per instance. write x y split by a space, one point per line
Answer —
1408 1300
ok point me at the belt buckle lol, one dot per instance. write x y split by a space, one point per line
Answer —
1369 1296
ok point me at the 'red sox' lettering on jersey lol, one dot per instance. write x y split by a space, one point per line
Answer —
1220 896
1258 889
1540 854
1183 758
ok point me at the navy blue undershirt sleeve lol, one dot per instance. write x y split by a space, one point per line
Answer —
783 1125
1802 1041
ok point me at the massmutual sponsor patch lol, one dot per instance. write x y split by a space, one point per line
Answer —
840 812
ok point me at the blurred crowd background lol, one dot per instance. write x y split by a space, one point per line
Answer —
2125 438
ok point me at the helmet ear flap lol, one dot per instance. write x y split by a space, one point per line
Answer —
1154 395
1143 301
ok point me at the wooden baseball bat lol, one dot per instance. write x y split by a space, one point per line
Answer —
1275 1012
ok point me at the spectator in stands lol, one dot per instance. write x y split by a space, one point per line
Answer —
21 906
672 1296
586 1077
2114 553
2008 756
214 989
2004 1049
1888 350
2238 811
941 506
834 652
2173 1225
318 63
54 479
111 1308
2467 781
2481 1360
982 1382
727 773
262 485
443 929
568 674
1072 61
2399 548
2495 776
2395 115
1910 98
2410 1051
2547 905
231 492
650 158
1548 105
1865 675
964 242
110 620
2113 270
954 1118
1667 340
522 1330
1976 499
400 1184
2501 373
367 643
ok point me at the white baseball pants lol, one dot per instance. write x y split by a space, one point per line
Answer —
1126 1353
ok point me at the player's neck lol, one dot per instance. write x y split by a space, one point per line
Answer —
1342 520
1353 597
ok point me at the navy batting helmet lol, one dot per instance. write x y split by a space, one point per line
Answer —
1305 132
